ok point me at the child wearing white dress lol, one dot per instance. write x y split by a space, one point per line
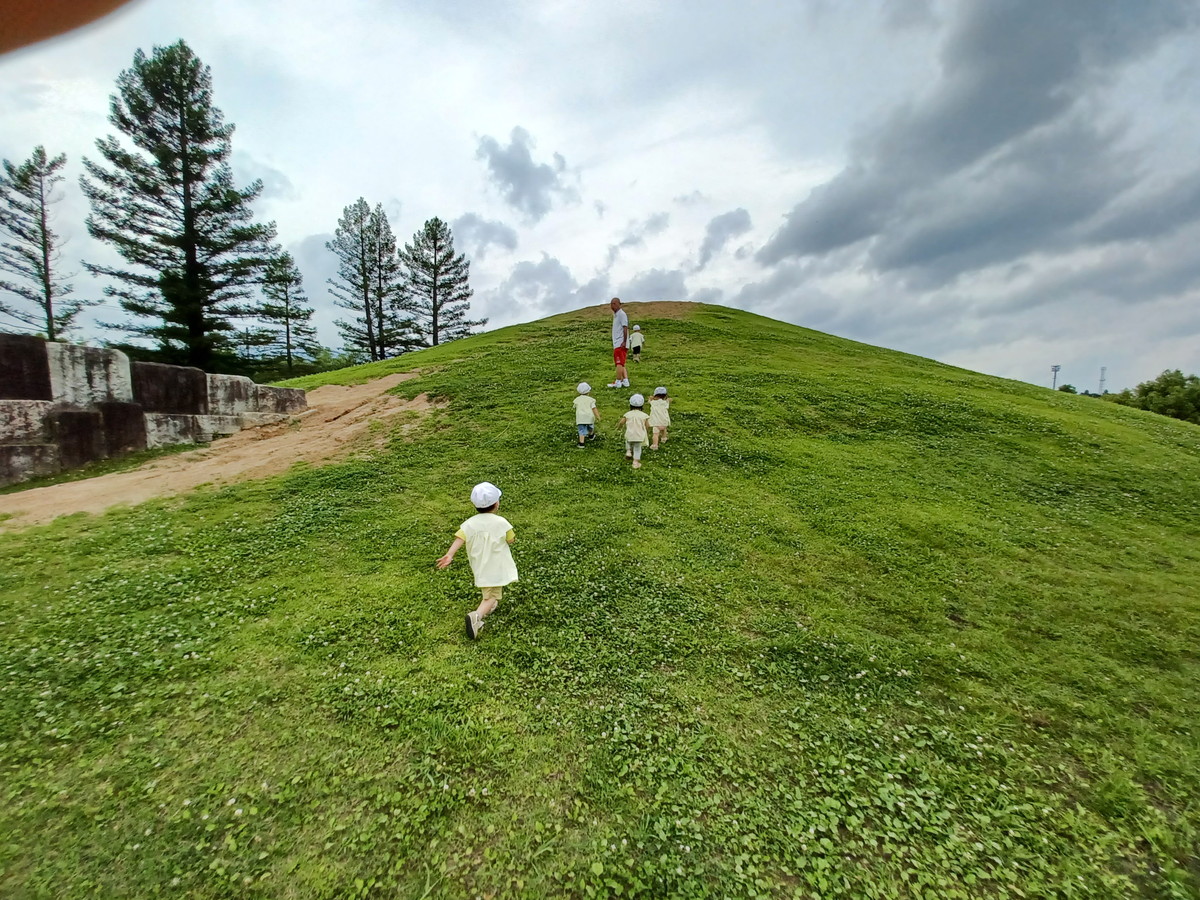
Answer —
486 536
635 429
660 416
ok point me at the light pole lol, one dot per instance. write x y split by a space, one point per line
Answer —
1054 376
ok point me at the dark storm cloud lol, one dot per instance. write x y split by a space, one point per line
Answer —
477 234
1027 198
637 233
723 227
529 187
1155 210
1009 71
655 284
780 287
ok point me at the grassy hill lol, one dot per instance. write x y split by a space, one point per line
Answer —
867 626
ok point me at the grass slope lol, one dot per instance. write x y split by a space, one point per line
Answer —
867 626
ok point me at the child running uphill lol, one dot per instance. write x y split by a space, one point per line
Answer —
660 416
636 341
585 413
487 537
635 429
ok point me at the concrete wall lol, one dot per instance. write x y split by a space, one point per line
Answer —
85 376
63 405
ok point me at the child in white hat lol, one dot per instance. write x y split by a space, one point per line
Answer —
660 417
585 413
635 429
636 340
487 537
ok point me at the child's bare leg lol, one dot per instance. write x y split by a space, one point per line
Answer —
491 596
654 442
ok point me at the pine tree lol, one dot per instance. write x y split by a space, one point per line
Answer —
369 284
33 249
287 318
170 208
435 281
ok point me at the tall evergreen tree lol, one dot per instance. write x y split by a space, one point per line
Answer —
435 281
284 312
171 209
32 250
369 283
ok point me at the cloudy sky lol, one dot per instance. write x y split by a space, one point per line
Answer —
1001 185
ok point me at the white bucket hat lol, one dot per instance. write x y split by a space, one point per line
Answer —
660 392
583 387
637 327
637 400
484 494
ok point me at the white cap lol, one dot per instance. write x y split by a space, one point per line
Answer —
584 387
660 391
484 494
637 400
637 327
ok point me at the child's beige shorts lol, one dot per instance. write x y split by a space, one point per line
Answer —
493 593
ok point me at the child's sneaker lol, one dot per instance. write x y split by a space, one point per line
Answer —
625 383
614 384
474 625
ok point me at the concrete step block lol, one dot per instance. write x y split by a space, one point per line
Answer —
168 429
25 421
85 376
20 462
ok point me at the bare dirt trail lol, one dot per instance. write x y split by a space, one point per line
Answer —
335 424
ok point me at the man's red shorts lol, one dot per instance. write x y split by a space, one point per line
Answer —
619 355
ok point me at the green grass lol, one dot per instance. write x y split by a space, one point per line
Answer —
867 626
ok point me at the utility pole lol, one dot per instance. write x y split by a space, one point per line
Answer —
1103 369
1054 377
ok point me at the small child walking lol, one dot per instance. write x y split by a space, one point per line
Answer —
585 413
635 429
660 417
487 536
636 340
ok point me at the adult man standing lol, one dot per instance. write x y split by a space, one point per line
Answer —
620 336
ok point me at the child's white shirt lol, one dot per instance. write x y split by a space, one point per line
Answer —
659 416
635 425
486 536
585 410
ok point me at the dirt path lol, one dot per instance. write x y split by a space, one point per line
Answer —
336 423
